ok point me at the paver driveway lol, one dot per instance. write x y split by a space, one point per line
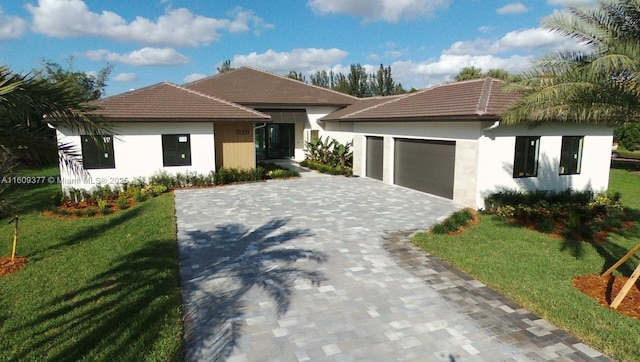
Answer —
321 268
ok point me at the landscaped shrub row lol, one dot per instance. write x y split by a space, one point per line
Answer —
105 199
329 156
577 215
332 170
455 222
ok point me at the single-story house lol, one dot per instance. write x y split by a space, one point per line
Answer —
446 140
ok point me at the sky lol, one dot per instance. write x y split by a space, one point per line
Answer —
426 42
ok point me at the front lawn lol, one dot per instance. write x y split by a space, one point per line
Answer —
104 288
536 271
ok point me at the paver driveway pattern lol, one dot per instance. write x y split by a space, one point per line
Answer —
321 269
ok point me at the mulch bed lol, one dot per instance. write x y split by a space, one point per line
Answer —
605 290
7 266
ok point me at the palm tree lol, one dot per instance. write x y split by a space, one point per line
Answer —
25 102
600 84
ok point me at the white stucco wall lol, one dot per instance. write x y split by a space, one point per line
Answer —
484 161
343 133
464 133
497 151
137 151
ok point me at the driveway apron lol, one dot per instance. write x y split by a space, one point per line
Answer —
322 269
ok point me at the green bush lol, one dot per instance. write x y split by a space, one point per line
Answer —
330 152
123 202
324 168
103 205
282 173
583 213
453 223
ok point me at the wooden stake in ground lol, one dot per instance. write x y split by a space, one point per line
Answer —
15 237
632 280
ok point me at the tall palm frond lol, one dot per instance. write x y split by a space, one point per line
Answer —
600 84
27 101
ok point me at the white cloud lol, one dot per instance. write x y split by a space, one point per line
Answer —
11 27
572 2
432 72
386 10
245 20
513 8
142 57
193 77
301 60
177 27
125 77
533 39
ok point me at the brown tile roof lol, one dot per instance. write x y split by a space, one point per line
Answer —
249 86
170 102
361 104
474 99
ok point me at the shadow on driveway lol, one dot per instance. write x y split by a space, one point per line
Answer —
219 267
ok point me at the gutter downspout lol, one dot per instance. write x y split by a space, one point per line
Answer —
493 126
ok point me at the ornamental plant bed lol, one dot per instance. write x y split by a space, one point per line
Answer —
88 208
604 289
586 230
7 266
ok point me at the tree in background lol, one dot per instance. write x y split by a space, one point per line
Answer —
358 82
382 83
225 66
90 86
297 76
469 73
598 85
627 135
24 101
323 79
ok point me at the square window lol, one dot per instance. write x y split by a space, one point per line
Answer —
571 155
525 163
97 152
176 150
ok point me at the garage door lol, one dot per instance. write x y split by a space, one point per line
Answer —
425 165
375 152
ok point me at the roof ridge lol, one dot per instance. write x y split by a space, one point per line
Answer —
124 94
483 100
236 105
298 81
395 99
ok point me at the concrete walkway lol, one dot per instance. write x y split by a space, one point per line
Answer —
320 269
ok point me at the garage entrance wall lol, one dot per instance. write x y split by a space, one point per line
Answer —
464 165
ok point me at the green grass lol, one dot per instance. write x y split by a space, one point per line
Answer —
628 154
537 271
104 288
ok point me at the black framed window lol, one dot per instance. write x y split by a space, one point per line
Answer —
525 163
571 155
176 150
97 152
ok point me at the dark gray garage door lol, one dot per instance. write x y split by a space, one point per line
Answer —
375 153
425 165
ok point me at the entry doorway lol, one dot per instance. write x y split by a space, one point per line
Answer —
275 140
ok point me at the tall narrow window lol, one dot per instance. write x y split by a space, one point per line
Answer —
176 150
97 152
525 163
571 155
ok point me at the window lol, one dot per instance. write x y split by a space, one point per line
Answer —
525 163
97 152
176 150
571 155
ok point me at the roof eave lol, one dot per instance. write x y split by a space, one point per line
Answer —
182 120
446 118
